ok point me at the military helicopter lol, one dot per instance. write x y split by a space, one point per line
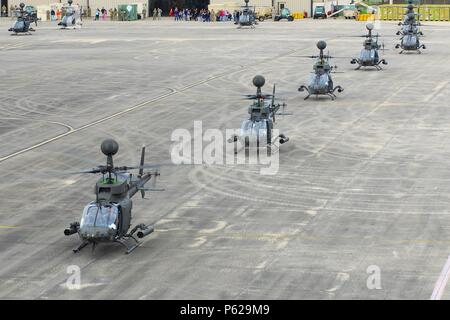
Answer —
369 54
409 17
320 82
410 32
246 17
108 218
258 128
72 17
24 19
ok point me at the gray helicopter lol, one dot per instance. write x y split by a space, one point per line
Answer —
369 56
23 23
258 128
108 218
71 19
246 17
320 82
410 32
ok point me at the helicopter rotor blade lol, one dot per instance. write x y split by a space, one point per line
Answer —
99 169
310 57
273 103
361 36
254 97
273 95
145 166
122 169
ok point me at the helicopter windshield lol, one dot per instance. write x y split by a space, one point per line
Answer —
317 82
104 216
367 55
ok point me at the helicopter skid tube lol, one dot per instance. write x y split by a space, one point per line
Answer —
303 88
129 248
81 246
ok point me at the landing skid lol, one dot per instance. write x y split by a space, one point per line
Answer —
376 66
143 230
81 246
129 249
271 147
122 241
22 33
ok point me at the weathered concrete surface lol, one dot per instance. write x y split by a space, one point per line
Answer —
364 181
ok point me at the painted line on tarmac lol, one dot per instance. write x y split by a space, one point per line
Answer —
117 114
144 104
439 287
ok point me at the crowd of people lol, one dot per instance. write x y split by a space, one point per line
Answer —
12 10
203 15
179 14
157 13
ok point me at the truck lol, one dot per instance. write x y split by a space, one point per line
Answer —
319 12
350 12
285 13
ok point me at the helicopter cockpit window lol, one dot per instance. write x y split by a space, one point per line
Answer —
367 55
100 216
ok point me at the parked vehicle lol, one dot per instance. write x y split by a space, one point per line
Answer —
319 12
284 14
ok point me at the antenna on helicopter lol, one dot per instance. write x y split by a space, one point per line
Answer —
109 148
258 82
369 27
321 45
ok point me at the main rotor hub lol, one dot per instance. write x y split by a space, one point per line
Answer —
259 81
109 147
321 45
246 1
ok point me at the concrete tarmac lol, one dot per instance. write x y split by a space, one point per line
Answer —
362 189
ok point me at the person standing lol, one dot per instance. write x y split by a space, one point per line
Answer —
63 12
144 13
4 11
97 14
159 13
